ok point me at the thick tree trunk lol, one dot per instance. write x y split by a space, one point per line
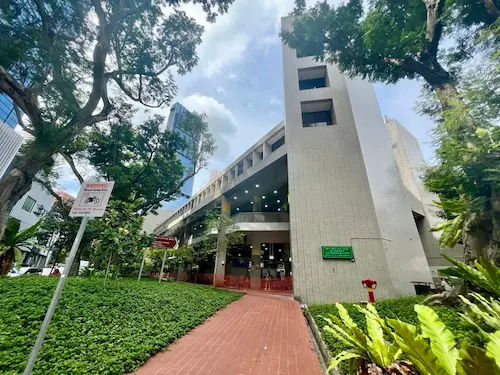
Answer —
493 249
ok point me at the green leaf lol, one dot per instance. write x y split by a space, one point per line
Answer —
416 348
473 361
493 347
342 356
442 340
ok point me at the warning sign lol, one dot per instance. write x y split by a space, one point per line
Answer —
92 199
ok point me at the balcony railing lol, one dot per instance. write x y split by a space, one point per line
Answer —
261 217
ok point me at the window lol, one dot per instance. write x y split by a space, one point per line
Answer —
240 168
29 203
313 78
280 142
317 113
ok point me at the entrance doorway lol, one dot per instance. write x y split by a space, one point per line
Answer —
269 268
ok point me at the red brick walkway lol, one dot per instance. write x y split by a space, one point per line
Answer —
257 334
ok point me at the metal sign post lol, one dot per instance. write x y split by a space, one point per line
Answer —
164 243
91 201
142 264
55 297
162 264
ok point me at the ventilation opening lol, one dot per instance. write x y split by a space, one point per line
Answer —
313 78
317 113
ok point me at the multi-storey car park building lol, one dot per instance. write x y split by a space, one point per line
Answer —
328 197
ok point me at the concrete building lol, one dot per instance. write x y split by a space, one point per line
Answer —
410 161
178 114
323 198
37 200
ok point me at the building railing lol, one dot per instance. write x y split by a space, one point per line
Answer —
261 217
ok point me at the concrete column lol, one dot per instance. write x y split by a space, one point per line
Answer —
257 203
255 272
220 256
266 149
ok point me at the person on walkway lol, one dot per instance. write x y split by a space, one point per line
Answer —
267 280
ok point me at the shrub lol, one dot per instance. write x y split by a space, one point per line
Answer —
98 328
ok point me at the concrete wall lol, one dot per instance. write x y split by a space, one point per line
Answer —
330 201
334 201
10 141
410 163
404 251
41 196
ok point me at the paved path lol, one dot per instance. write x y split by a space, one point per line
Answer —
258 334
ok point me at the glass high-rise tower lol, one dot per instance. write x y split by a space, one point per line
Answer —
7 112
178 114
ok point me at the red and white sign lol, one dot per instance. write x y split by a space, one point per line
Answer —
92 199
164 242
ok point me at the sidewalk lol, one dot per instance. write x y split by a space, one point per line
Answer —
258 334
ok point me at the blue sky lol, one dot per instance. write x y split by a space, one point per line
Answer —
238 83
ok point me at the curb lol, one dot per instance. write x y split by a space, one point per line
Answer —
324 354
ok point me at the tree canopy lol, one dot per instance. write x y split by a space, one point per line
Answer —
388 40
70 64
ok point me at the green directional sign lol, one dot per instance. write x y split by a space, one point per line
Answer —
337 252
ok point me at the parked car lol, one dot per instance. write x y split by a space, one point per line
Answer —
24 271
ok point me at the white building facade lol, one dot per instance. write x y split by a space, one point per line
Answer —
323 199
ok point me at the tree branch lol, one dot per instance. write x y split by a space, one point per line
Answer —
146 206
491 8
62 84
71 162
22 96
47 186
434 28
20 120
138 99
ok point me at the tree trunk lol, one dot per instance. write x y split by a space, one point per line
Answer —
492 251
19 178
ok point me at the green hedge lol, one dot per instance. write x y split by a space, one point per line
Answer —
97 328
400 308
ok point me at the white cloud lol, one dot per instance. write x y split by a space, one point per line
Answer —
225 53
220 90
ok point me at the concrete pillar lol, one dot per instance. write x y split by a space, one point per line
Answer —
266 149
220 256
255 272
257 203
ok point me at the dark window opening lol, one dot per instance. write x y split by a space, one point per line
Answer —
317 113
28 204
240 168
280 142
313 78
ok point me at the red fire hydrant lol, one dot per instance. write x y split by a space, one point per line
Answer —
370 284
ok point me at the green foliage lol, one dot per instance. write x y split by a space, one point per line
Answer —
121 237
372 347
143 160
434 351
467 171
12 242
58 231
485 311
399 308
98 329
387 40
485 275
452 228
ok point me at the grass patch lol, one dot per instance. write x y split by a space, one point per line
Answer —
400 308
97 328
